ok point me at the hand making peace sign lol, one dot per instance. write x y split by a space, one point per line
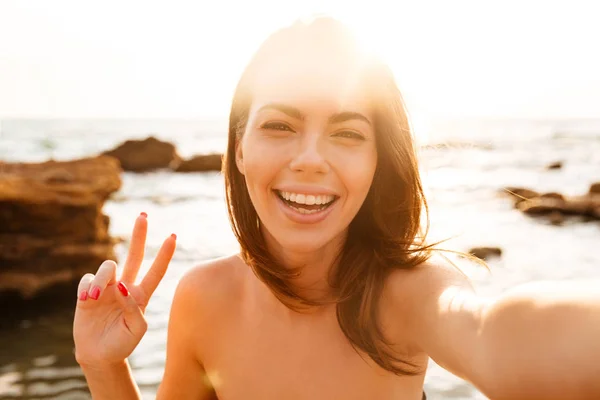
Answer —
109 318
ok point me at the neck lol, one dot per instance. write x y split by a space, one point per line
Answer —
314 265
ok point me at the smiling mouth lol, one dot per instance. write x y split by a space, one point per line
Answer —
306 204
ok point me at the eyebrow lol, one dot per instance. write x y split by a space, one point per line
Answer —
297 114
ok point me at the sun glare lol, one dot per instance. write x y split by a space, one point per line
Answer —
182 60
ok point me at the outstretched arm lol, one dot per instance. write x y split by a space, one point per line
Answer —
537 341
542 340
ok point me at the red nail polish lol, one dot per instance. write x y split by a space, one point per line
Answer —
83 295
143 214
95 293
123 289
174 236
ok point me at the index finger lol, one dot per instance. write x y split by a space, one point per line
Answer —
159 267
135 255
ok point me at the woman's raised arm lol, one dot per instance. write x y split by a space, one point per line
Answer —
542 341
109 317
537 341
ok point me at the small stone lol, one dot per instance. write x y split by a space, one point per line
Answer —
555 165
485 253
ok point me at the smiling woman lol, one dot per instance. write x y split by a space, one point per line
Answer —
335 292
310 117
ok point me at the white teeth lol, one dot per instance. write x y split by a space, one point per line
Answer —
307 199
300 198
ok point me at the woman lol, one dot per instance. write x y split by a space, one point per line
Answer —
334 294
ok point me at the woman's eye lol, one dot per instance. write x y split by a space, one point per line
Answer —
350 135
276 126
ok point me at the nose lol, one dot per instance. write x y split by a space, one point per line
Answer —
310 155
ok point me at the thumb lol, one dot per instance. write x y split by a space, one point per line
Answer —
134 317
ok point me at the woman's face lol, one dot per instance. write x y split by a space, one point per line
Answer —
308 153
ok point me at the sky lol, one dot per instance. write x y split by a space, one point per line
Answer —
175 59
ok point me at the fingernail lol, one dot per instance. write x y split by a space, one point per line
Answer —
95 293
174 236
123 289
83 295
143 214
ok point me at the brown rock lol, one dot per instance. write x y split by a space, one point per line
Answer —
576 205
595 188
201 163
96 176
541 205
556 218
555 165
145 155
520 194
32 204
58 176
485 253
52 229
552 195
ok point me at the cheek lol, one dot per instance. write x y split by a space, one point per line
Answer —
358 172
260 165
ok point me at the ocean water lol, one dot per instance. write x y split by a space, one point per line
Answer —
462 178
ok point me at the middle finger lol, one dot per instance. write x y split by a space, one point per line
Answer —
159 267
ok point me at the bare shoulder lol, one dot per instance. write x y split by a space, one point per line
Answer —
213 282
412 299
426 281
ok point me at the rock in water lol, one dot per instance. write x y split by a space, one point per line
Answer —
145 155
556 218
520 194
585 205
201 163
52 229
485 253
555 165
555 205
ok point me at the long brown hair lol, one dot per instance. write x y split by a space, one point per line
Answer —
385 234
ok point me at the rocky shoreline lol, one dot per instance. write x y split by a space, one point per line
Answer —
52 228
556 207
151 154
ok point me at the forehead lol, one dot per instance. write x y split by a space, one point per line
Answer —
308 81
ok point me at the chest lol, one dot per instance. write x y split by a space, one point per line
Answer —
263 357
